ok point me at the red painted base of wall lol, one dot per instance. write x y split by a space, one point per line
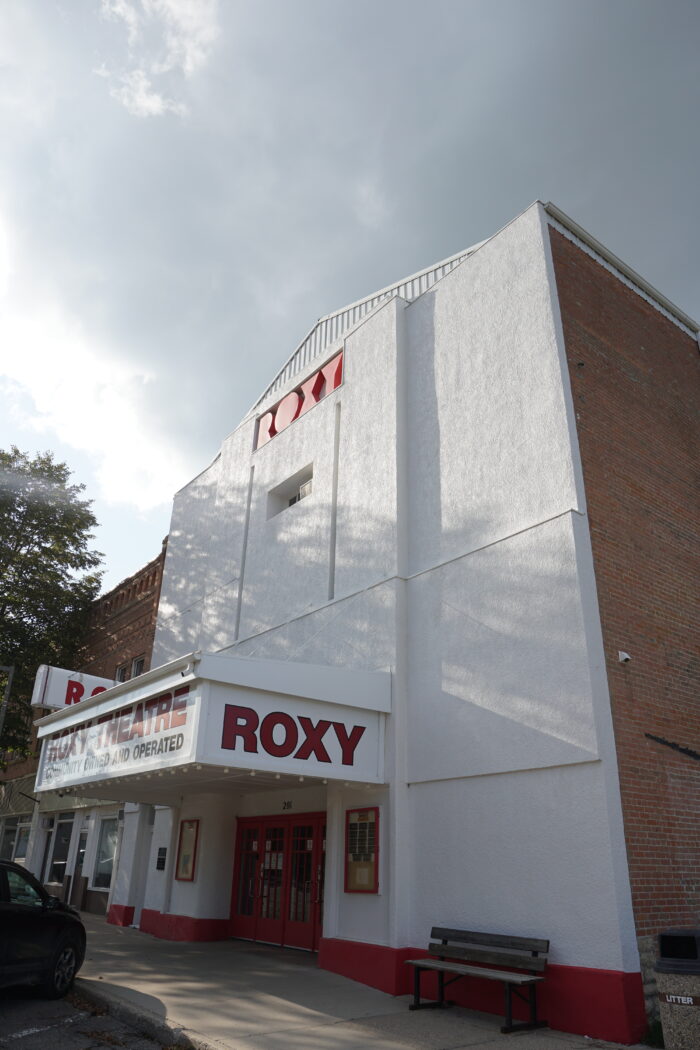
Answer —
120 915
604 1004
183 927
372 964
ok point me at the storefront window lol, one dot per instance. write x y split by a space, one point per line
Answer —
80 857
61 845
22 840
106 849
7 843
14 837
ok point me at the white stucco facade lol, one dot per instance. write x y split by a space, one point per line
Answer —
435 588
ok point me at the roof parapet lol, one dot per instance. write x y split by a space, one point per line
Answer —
330 329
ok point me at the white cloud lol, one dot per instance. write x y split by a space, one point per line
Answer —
128 13
166 39
57 381
137 95
190 30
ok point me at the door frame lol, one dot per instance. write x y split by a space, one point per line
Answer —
288 821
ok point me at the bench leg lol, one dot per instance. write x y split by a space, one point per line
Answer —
417 1004
521 1026
416 988
508 1026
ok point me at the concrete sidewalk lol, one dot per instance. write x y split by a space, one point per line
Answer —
233 995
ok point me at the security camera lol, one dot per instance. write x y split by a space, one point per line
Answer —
624 658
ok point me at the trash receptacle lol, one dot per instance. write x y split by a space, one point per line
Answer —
678 981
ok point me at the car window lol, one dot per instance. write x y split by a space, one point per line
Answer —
22 891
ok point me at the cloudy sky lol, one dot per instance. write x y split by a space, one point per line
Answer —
186 185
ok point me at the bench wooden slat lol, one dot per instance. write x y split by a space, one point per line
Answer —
474 971
493 940
486 955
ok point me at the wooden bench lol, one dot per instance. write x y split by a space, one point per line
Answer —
458 949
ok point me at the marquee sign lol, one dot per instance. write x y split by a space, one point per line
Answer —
139 737
299 401
216 712
57 687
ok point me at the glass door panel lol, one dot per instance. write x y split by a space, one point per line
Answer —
246 901
78 888
270 923
320 860
306 871
246 883
301 869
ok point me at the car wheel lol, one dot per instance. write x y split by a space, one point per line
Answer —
60 976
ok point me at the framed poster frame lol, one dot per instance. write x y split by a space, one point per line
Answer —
362 864
188 841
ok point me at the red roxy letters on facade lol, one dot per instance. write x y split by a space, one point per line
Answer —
243 723
299 401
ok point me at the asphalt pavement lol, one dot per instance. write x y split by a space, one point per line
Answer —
29 1023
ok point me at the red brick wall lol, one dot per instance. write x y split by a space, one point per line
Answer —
123 622
635 379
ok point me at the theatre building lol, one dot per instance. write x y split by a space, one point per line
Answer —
426 649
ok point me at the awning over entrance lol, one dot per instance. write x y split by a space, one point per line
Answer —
208 717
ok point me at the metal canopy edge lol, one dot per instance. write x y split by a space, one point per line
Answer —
365 690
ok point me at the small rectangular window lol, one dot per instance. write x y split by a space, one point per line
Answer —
303 490
122 674
298 487
137 667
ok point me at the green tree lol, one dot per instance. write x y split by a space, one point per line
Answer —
48 577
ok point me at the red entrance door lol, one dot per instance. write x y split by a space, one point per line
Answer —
278 881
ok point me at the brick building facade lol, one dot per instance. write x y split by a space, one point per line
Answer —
122 625
635 377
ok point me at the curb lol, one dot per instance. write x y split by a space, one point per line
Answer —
166 1032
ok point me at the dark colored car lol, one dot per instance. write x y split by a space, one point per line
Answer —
42 940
